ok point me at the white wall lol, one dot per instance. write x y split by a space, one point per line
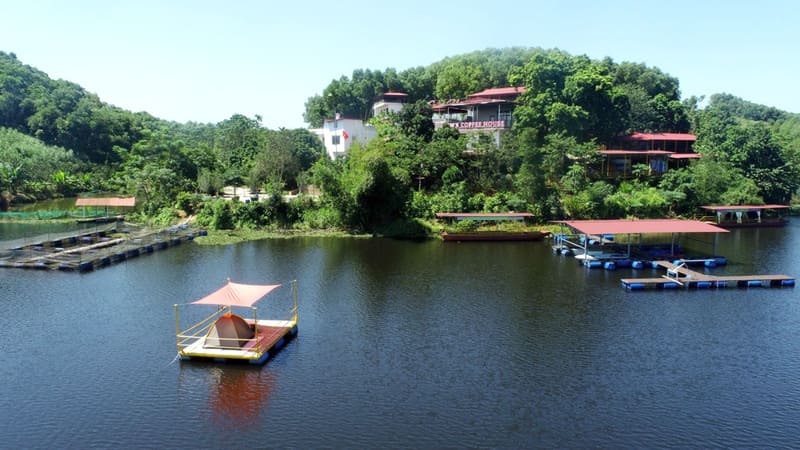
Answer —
332 129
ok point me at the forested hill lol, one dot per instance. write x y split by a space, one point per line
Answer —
62 113
572 106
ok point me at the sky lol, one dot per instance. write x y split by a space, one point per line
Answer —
204 61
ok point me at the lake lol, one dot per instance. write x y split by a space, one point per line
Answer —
408 344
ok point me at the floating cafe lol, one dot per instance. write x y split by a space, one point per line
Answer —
612 244
110 241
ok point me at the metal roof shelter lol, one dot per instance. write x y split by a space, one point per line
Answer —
737 215
744 207
642 226
128 202
106 201
485 216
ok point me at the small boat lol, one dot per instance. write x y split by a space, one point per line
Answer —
223 335
495 236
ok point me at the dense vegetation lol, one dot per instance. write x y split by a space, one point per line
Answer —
57 139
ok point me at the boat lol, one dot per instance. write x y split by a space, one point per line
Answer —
495 236
492 234
226 336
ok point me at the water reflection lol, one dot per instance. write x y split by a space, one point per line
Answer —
237 394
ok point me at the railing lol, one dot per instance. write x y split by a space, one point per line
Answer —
199 330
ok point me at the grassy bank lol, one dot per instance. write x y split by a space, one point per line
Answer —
226 237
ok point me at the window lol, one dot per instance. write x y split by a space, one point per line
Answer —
335 140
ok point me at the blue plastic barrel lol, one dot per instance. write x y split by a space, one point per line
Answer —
710 263
703 284
637 265
753 283
670 285
610 265
787 282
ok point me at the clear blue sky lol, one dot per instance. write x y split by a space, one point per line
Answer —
204 61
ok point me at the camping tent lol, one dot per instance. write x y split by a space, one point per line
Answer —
229 330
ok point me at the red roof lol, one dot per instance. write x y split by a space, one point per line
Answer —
643 226
236 294
661 137
743 207
685 156
635 152
108 201
504 91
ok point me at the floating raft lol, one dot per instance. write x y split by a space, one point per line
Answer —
678 276
85 251
272 335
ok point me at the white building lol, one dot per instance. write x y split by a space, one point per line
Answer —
389 102
339 134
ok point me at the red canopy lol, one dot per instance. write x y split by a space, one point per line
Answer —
106 201
643 226
236 294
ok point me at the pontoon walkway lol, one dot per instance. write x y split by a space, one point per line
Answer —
680 276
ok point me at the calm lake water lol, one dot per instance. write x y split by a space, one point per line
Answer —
405 344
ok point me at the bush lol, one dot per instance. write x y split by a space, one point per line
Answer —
216 215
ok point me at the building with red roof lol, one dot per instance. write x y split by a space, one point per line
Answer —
659 152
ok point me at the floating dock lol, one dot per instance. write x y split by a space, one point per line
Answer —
83 251
679 276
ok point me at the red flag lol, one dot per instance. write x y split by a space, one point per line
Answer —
344 133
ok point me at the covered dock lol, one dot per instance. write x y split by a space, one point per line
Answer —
597 242
734 216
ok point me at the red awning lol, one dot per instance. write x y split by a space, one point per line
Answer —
236 294
635 152
686 137
107 201
643 226
685 156
743 207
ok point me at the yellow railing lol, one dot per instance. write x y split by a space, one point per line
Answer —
199 330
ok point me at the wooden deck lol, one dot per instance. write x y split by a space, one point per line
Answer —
681 276
270 333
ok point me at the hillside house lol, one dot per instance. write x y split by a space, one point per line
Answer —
486 112
660 152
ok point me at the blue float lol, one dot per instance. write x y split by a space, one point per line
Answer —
592 264
669 285
787 282
637 265
710 263
753 283
610 265
703 284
